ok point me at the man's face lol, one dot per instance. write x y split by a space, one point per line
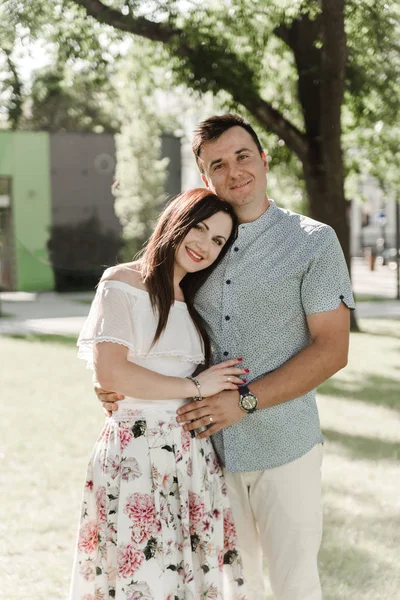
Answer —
234 169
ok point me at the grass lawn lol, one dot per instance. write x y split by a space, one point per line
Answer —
50 421
370 298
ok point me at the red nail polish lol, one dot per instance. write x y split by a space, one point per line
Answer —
247 370
240 359
244 380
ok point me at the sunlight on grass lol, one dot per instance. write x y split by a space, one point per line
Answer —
360 418
49 423
51 419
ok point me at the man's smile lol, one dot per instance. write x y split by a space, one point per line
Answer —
240 186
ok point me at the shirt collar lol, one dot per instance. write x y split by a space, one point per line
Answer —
264 221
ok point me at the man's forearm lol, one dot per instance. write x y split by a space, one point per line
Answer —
299 375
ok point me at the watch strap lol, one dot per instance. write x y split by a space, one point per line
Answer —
243 390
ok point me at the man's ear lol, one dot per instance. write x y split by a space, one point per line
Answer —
205 181
265 161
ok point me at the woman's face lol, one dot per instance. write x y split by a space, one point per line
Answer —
203 243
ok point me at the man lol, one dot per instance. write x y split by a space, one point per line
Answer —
280 299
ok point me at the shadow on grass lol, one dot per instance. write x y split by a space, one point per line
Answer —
346 572
45 338
382 328
370 298
350 571
353 572
373 389
361 447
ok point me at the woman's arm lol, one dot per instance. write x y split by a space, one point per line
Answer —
114 372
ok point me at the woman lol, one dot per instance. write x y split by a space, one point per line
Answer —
156 524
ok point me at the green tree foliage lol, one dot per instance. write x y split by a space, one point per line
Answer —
72 92
141 172
11 93
62 100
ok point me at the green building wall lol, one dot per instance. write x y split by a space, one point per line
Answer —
25 157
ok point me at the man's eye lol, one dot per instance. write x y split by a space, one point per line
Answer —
218 167
243 156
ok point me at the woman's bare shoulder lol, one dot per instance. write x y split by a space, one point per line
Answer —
129 273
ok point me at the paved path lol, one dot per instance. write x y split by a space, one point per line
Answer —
64 314
380 282
44 313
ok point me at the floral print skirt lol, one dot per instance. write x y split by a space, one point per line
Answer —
155 522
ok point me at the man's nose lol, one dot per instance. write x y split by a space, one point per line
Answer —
234 170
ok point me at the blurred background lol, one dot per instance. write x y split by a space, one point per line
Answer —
98 91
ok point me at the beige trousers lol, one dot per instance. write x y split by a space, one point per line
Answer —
278 517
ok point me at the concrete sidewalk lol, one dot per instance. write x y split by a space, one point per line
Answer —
64 314
44 313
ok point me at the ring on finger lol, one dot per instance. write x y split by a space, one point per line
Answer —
229 379
211 419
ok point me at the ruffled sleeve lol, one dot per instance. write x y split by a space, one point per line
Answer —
110 319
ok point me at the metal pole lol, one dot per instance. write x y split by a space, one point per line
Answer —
398 246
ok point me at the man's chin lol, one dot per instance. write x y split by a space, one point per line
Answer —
240 201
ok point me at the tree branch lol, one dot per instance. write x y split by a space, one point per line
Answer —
272 120
224 70
16 102
157 32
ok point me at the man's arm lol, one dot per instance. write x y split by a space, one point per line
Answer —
326 355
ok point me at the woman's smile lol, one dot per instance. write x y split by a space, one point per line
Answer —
193 255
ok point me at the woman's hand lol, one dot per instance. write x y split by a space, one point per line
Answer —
224 376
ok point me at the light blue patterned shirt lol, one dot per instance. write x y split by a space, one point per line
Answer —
282 267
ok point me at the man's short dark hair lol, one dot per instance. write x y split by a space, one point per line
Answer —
213 127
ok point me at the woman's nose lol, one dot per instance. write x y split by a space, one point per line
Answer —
202 245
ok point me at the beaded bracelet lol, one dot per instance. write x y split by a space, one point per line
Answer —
197 384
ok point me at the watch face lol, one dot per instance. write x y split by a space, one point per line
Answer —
249 401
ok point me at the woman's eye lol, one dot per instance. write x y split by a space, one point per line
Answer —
198 227
218 242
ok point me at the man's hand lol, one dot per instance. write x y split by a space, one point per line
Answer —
216 412
108 399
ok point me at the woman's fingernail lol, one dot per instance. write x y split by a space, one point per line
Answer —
244 380
247 370
240 359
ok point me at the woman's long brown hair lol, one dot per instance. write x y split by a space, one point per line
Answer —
157 262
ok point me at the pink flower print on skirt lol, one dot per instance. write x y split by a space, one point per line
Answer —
156 522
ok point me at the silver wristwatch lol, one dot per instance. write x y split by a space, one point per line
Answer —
247 400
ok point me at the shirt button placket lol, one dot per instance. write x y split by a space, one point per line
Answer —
228 342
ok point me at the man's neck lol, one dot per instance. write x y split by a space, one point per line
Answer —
250 213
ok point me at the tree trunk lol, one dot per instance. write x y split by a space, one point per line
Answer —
320 185
321 92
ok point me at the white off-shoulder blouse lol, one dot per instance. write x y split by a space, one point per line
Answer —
122 314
